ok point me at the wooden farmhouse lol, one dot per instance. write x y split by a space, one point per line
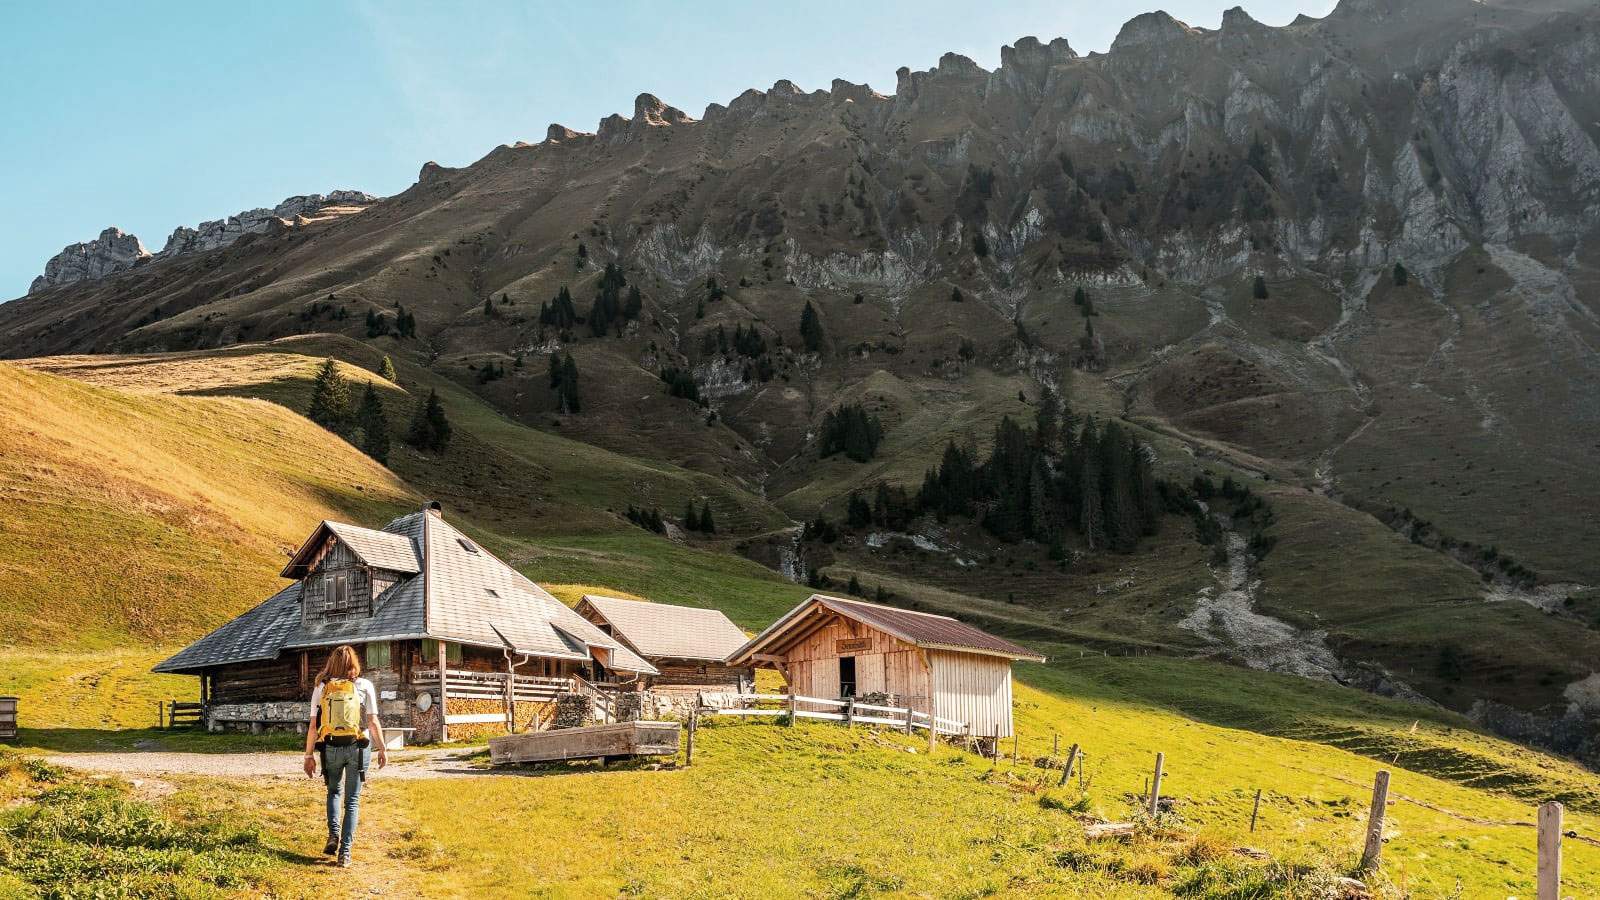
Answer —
830 647
452 637
689 647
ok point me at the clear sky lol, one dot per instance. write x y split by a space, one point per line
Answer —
152 115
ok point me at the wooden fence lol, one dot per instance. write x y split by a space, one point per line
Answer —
847 711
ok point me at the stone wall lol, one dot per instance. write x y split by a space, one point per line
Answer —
257 717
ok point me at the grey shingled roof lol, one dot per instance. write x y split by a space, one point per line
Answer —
926 630
661 630
257 635
477 599
473 598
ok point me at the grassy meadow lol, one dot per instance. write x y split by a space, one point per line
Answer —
177 499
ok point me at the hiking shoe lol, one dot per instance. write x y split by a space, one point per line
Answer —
331 847
344 860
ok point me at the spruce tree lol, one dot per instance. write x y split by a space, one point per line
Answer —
707 523
810 328
386 369
1259 289
1401 276
374 425
691 518
854 587
555 371
955 295
330 398
568 388
430 428
858 514
1079 297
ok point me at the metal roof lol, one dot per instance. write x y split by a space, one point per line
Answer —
927 630
467 596
661 630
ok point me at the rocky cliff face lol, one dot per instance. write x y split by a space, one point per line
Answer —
113 251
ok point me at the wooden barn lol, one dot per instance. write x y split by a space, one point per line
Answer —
833 647
453 639
688 646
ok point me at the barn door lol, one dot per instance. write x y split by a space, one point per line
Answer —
847 676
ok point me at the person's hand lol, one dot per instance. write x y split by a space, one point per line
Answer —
383 756
310 766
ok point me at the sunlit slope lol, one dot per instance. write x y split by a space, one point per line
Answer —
153 517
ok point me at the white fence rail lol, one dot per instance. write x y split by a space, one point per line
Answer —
469 685
852 712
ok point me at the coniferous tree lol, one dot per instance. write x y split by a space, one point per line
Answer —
980 245
691 518
1259 288
386 369
374 425
405 323
1079 296
488 306
567 390
955 295
555 371
858 514
1401 276
850 430
708 524
430 428
854 587
633 305
810 328
330 398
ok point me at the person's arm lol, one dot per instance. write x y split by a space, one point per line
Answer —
310 763
375 727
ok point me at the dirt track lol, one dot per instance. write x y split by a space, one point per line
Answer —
404 764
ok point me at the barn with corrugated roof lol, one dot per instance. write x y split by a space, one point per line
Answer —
832 647
688 645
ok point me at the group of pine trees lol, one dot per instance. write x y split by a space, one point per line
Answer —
559 312
403 325
850 430
564 381
611 310
1091 479
680 383
702 521
648 519
362 422
810 328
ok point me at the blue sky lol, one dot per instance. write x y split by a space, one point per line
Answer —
152 115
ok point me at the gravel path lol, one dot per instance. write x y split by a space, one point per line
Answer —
404 764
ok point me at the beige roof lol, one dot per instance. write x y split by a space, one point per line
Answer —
661 630
379 549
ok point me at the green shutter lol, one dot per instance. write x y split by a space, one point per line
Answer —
378 655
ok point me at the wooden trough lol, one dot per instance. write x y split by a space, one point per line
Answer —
591 742
8 718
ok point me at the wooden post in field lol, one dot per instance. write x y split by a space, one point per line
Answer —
688 749
161 714
1550 851
1255 811
1066 773
793 718
1055 745
1015 757
933 730
1155 785
1372 853
908 721
444 693
849 711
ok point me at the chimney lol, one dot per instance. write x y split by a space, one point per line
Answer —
432 507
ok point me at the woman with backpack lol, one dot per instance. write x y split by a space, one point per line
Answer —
343 727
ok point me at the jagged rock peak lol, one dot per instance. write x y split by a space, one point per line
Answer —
842 90
113 251
1151 28
1030 53
1236 19
956 64
222 232
649 110
557 133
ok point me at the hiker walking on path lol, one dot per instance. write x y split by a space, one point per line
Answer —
343 726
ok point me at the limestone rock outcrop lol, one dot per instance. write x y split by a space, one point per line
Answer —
113 251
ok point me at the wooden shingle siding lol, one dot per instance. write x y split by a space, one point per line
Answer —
883 665
975 689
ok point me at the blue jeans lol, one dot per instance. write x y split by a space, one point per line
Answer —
344 769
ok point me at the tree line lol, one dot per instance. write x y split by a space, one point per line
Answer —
364 422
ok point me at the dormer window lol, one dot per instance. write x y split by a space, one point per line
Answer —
467 545
339 593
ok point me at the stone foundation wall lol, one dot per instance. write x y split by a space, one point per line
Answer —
258 717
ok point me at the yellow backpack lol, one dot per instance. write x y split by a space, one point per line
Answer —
339 719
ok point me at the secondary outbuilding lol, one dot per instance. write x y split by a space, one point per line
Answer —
687 645
835 647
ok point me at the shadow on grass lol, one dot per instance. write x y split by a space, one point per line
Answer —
154 740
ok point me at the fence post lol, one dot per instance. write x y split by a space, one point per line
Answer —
793 718
1550 851
1255 811
849 711
1372 853
908 721
1066 773
1155 785
694 721
1055 745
